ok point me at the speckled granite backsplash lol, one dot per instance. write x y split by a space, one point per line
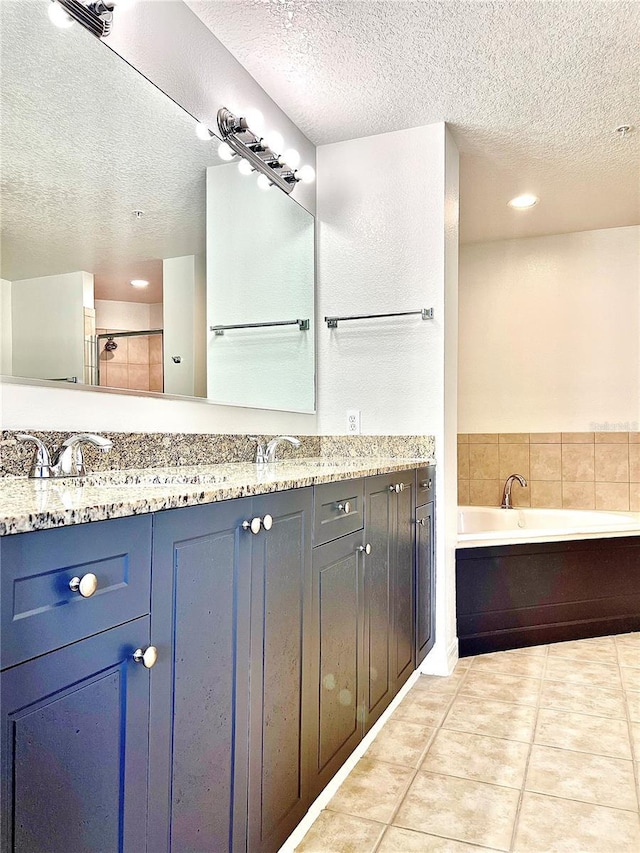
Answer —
152 450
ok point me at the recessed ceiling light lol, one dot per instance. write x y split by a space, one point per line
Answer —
523 202
139 282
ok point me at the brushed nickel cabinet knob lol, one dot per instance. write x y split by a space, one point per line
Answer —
365 549
267 522
345 507
254 525
84 586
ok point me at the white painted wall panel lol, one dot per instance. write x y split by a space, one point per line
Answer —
549 333
6 359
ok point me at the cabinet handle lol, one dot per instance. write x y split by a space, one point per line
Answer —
85 586
398 487
147 658
257 524
427 484
345 507
364 549
421 521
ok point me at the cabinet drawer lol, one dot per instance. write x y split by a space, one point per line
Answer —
41 613
337 510
426 488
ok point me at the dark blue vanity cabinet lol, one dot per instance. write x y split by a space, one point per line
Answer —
284 625
227 765
425 583
74 703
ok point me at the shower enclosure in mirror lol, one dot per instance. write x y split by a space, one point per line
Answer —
125 237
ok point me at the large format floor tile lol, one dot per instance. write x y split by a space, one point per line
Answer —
552 825
527 751
460 809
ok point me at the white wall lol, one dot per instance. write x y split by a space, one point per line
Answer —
549 333
125 316
6 360
268 243
47 325
387 231
184 325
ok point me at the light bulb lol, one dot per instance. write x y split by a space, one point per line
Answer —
255 121
139 282
203 132
274 141
523 202
291 157
245 167
225 151
263 182
307 174
58 16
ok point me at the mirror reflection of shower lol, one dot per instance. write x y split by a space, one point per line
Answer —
129 359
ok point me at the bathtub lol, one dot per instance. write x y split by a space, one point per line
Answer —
492 525
533 576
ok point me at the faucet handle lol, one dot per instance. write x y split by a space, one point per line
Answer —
41 462
260 451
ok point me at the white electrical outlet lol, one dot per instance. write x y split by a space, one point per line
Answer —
353 421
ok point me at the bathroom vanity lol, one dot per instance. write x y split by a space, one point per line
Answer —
233 655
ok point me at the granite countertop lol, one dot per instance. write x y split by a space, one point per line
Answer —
27 505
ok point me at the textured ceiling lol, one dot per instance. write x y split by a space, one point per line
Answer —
532 91
85 141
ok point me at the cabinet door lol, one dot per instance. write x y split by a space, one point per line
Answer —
199 687
335 651
425 582
378 532
75 729
280 601
403 546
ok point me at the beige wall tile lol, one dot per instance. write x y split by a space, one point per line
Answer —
578 462
612 463
463 438
545 461
483 438
156 379
579 495
155 349
483 462
139 377
117 375
139 350
485 492
520 495
578 438
513 459
463 492
545 437
612 437
546 494
612 496
634 497
119 355
513 438
634 438
463 461
634 463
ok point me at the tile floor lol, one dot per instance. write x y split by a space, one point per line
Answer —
530 751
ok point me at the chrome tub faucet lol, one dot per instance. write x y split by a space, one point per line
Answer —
67 460
506 492
268 453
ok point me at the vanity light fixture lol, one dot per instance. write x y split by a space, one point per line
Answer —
524 201
203 132
139 282
244 136
95 16
245 167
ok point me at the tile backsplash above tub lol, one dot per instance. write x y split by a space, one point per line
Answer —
574 470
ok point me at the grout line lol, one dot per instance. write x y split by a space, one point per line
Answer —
634 758
516 822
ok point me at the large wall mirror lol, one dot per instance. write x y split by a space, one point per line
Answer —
125 238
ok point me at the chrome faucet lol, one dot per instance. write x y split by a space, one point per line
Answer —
67 461
268 453
506 493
